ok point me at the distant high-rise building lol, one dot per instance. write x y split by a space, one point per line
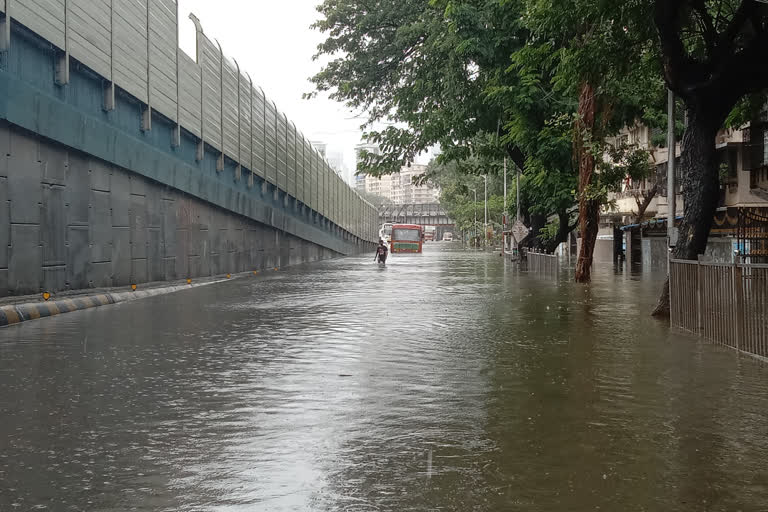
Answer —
361 181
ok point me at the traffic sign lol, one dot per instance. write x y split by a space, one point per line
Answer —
519 231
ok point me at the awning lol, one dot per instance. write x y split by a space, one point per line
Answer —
651 222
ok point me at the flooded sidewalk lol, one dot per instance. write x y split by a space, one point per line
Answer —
445 381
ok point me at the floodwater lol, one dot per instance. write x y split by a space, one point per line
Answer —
441 382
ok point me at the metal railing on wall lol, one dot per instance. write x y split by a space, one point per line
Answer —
544 264
724 303
134 46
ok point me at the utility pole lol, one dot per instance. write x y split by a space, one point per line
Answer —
504 213
474 226
485 216
517 189
671 199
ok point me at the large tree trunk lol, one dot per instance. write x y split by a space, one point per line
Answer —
700 185
563 230
536 222
589 209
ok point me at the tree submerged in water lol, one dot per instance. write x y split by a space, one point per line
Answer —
548 83
713 55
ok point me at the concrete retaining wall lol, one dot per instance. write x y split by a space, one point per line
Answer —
69 221
91 197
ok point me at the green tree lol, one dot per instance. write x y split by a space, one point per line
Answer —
440 71
418 68
598 52
713 53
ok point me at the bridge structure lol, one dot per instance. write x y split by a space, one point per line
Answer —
123 160
426 214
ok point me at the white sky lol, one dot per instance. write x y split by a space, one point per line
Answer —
272 41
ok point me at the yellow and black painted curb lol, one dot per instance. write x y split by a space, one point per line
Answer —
17 313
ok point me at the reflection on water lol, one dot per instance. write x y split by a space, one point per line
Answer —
440 382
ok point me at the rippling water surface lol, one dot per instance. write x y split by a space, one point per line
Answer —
442 382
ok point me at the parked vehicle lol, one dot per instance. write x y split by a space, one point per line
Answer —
406 238
430 233
447 237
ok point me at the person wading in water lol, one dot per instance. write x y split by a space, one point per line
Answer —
381 253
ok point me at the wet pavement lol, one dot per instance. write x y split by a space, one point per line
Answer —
441 382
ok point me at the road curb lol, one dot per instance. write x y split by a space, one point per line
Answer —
17 313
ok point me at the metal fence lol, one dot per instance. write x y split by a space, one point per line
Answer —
545 264
724 303
133 45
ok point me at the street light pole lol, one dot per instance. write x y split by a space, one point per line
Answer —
474 226
671 199
485 215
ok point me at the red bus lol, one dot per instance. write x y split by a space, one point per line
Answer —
406 238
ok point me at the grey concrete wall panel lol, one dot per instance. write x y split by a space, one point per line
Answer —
26 259
54 278
100 222
154 205
168 227
90 33
139 271
5 223
139 227
121 256
76 198
78 257
189 94
162 57
100 275
44 17
183 244
100 175
212 93
54 226
155 267
137 185
229 102
55 163
130 47
120 199
24 189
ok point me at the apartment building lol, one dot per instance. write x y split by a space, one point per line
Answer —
399 188
741 222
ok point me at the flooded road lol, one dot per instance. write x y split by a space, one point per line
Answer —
443 382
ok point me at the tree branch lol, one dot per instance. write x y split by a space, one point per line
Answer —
667 19
709 33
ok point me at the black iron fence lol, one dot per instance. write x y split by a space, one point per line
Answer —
724 303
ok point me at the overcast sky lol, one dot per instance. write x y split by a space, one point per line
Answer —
272 41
